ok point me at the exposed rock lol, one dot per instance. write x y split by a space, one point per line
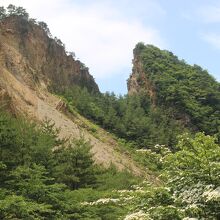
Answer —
138 80
27 50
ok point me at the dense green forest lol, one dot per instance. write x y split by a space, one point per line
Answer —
41 177
186 90
129 117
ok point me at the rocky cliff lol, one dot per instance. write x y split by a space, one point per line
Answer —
138 81
30 54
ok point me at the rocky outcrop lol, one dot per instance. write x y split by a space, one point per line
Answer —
27 51
138 81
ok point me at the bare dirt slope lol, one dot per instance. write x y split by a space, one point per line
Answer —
104 153
39 104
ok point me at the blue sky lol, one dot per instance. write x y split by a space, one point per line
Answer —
103 33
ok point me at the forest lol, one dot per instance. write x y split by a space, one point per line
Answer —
129 117
44 178
185 89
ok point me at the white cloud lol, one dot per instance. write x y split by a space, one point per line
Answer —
100 35
213 39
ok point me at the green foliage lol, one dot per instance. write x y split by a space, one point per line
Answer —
193 174
129 117
48 129
18 11
44 26
17 207
111 179
190 189
197 160
21 146
166 213
42 177
2 13
74 165
191 93
33 182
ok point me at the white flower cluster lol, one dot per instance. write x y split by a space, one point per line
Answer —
159 206
212 195
192 206
101 201
135 189
124 191
192 194
125 199
137 216
158 146
124 196
143 150
162 148
138 188
187 218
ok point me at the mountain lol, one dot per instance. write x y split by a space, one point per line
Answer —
166 98
32 65
190 93
68 151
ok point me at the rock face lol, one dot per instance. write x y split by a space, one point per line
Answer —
27 52
138 81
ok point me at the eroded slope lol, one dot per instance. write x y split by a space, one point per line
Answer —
30 63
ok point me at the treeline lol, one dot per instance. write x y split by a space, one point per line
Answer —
129 117
21 12
44 177
13 10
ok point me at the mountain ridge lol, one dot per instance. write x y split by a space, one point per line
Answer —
26 83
